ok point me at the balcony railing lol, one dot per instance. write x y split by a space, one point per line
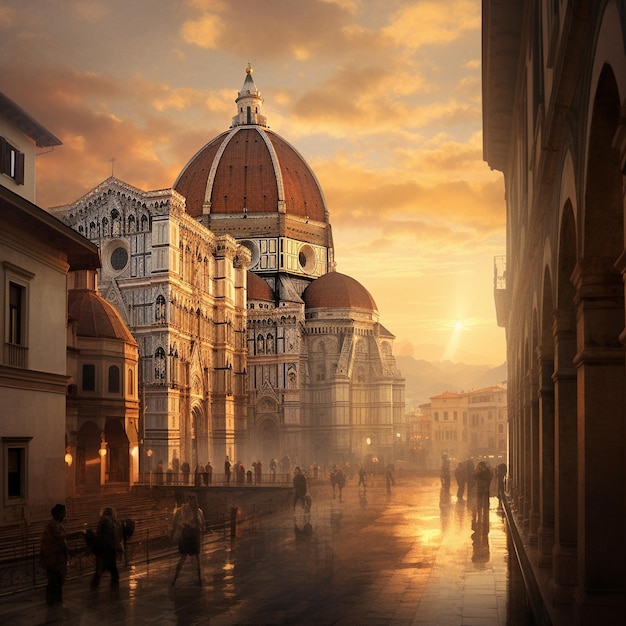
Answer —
15 355
500 292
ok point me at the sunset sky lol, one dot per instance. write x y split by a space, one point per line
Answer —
381 97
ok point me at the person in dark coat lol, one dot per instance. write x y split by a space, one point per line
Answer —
459 475
185 470
389 477
108 548
188 529
241 473
483 476
299 487
227 470
54 555
362 475
501 476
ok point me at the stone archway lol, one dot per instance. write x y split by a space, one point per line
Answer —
87 456
268 438
117 457
600 355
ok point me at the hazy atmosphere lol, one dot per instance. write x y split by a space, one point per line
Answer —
381 97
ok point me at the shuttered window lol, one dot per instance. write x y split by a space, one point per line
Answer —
11 161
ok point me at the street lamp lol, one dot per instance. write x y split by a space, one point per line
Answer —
149 455
102 451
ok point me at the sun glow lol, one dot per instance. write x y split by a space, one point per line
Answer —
453 342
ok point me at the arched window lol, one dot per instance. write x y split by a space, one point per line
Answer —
131 223
144 222
105 227
116 223
159 309
92 230
320 374
159 364
131 383
260 345
269 344
114 379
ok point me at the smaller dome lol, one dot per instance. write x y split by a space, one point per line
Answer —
96 317
337 291
258 289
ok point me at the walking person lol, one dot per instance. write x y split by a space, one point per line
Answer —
445 472
362 475
459 475
227 472
299 487
501 475
389 477
208 469
108 548
483 476
340 479
54 555
188 530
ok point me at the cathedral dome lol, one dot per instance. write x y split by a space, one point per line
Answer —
250 171
258 289
96 317
247 171
337 291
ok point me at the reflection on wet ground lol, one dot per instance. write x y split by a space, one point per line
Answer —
415 556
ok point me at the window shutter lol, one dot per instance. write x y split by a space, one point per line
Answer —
4 156
19 168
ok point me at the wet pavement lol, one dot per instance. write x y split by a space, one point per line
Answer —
410 557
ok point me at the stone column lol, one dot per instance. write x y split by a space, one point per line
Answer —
526 450
601 586
546 458
565 460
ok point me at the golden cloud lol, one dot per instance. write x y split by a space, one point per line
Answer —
203 32
434 22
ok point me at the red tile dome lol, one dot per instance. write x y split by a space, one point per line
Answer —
337 291
253 168
250 171
96 317
258 289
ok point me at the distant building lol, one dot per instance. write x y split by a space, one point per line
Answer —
554 102
420 429
471 424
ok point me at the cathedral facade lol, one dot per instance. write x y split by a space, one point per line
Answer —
251 345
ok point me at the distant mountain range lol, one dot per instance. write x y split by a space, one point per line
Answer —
426 378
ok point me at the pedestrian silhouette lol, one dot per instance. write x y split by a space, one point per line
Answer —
108 548
188 529
54 555
459 475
